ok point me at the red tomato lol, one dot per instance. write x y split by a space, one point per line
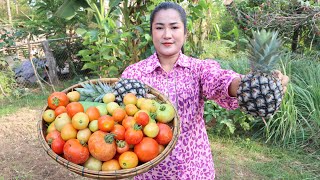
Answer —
57 145
106 123
128 122
52 136
133 135
75 152
147 149
142 118
122 146
59 110
119 131
57 99
73 108
165 134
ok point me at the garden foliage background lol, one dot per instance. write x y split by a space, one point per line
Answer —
48 45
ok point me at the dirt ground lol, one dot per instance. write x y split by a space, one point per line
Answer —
21 154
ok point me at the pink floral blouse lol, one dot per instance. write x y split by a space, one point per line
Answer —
187 84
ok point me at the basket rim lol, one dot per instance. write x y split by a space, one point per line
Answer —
123 173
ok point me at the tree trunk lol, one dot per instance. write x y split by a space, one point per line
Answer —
9 12
52 65
295 39
17 7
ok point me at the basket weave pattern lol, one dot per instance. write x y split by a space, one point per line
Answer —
117 174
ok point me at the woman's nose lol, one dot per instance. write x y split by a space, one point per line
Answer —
167 33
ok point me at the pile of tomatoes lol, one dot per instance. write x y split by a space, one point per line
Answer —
107 136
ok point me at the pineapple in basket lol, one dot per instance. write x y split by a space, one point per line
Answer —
95 92
260 93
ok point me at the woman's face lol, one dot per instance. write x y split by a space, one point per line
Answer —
168 32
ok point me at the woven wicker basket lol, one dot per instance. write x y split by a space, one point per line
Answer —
118 174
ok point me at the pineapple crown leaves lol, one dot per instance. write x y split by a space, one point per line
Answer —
264 50
93 92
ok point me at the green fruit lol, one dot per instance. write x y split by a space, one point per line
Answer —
93 126
102 109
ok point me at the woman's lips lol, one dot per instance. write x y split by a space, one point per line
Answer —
167 44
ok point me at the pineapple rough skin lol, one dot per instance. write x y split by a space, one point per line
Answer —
260 94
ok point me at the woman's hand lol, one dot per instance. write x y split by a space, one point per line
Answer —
283 78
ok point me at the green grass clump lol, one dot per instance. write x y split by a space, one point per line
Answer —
243 158
11 105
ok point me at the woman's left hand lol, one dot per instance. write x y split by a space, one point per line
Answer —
283 78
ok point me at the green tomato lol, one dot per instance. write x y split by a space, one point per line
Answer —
93 164
165 113
93 126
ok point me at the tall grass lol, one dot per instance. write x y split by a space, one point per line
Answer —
297 121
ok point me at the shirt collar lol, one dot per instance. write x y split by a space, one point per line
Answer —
154 62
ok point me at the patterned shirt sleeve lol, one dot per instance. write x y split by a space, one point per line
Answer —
215 83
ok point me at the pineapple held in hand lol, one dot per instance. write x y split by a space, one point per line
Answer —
260 93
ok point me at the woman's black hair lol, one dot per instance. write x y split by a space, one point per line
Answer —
170 5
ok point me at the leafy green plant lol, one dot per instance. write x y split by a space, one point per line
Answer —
7 82
110 47
227 122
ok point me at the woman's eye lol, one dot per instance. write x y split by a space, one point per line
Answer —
159 28
175 27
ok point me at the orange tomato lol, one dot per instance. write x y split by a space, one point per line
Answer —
131 109
68 132
93 113
73 108
128 160
102 145
128 122
130 98
119 114
111 165
60 110
106 123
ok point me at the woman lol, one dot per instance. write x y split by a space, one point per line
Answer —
186 81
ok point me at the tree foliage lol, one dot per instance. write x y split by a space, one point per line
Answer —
297 21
